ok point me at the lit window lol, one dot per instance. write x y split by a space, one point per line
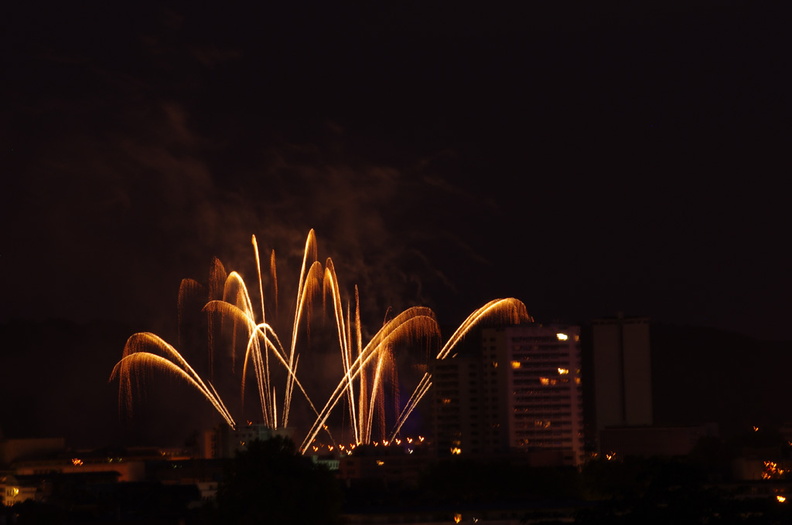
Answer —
561 336
563 371
515 364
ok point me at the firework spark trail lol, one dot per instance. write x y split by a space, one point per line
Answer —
394 393
363 383
373 399
308 288
364 367
134 355
252 348
278 351
414 322
274 280
348 359
401 326
127 364
508 310
236 289
331 288
253 353
187 288
420 391
271 341
217 280
305 287
262 361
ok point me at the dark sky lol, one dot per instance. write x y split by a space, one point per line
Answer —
584 157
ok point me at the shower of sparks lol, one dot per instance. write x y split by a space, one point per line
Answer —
366 369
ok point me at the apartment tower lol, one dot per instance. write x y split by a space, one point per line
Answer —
519 392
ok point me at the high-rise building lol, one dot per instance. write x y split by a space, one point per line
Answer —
519 393
622 372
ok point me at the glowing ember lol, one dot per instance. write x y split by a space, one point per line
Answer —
366 370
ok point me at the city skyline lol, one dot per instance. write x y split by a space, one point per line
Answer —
586 160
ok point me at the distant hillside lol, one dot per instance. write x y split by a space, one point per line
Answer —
54 379
703 374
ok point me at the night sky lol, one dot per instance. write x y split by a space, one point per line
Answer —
587 158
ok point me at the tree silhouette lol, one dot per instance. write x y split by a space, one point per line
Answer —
271 483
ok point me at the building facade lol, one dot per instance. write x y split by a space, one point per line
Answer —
224 442
622 372
518 393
